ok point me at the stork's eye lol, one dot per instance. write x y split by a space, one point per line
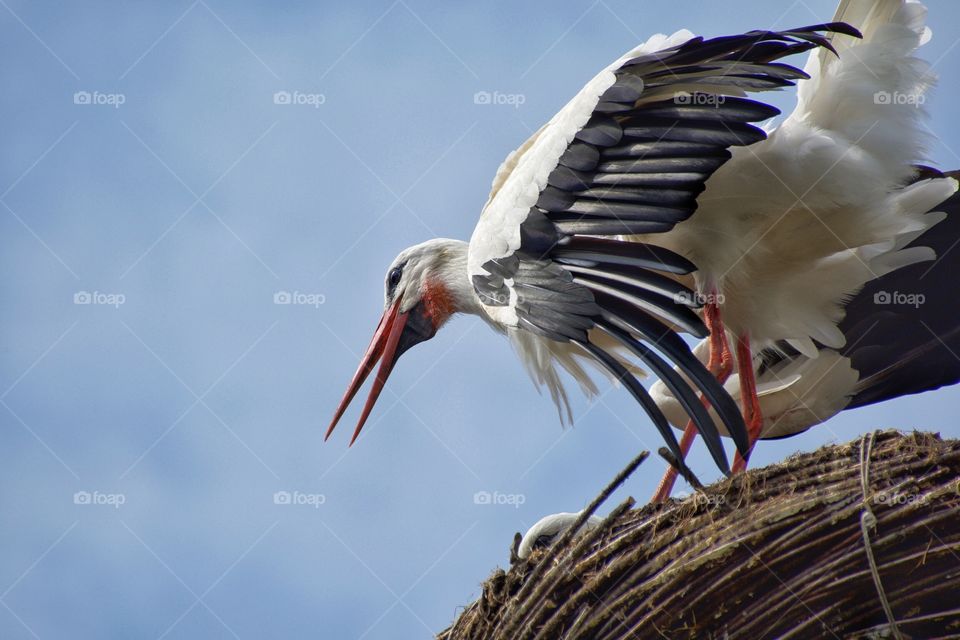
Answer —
393 278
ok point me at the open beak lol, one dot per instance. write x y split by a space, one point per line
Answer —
396 333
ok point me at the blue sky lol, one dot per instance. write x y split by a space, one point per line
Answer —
182 199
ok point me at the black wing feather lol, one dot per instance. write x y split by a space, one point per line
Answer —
671 345
640 394
636 168
682 392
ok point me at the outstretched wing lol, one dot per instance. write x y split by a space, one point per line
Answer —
629 155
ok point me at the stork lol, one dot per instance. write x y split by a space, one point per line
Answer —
792 226
901 331
545 530
547 264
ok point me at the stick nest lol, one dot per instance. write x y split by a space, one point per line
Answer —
859 540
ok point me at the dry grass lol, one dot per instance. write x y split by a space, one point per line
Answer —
784 551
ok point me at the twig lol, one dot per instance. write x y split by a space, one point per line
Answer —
511 622
868 521
682 469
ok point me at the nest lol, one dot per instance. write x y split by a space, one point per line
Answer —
860 540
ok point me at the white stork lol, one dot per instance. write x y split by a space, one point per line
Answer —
589 226
546 529
901 332
795 224
547 265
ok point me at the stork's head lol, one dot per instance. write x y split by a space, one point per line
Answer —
424 286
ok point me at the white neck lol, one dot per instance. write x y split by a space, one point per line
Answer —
451 267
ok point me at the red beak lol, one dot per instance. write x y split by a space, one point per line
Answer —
384 345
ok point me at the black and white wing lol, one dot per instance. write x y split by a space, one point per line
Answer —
629 155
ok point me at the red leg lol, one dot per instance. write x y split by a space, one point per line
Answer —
725 366
748 399
720 365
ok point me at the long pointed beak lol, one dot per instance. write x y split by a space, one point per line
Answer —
382 346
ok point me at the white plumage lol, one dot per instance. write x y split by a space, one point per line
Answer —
892 347
547 528
795 224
